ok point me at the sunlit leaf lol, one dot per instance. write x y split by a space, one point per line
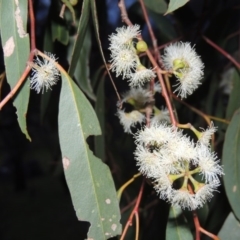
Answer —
15 42
177 227
231 163
175 4
89 180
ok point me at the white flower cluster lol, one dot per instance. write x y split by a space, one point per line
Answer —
182 60
138 98
124 58
45 73
170 159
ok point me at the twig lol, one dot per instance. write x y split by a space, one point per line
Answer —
152 35
195 217
32 24
16 87
223 52
137 224
129 221
211 235
122 188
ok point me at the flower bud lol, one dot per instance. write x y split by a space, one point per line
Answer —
73 2
178 64
141 46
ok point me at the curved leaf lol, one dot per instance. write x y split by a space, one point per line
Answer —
82 70
231 163
175 4
234 100
89 180
230 229
177 227
15 42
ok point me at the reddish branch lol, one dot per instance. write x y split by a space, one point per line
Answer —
223 52
134 211
152 35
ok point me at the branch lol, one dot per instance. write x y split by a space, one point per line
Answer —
223 52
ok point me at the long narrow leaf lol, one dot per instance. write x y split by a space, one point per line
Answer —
15 42
89 180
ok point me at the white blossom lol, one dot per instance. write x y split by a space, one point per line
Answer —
161 116
184 199
208 163
123 61
139 95
205 192
130 119
123 37
140 77
181 59
45 74
206 135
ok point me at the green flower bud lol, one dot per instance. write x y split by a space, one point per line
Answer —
73 2
178 64
141 46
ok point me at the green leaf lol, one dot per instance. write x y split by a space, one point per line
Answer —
230 229
15 42
175 4
96 27
89 180
99 141
164 25
158 6
234 100
82 70
231 163
60 33
177 228
82 28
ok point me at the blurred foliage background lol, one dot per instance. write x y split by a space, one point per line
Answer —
35 201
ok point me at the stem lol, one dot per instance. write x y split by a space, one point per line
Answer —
223 52
32 24
137 225
195 218
203 115
135 209
16 87
122 188
211 235
152 35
